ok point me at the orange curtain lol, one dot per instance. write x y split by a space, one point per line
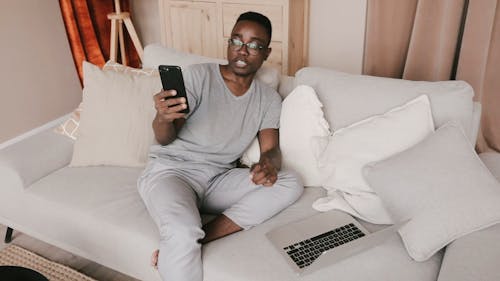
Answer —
440 40
88 30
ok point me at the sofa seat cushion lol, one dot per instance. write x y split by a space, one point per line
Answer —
97 213
248 255
105 193
475 256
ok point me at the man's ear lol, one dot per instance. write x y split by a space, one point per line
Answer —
268 52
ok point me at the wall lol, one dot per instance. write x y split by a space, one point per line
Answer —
38 77
337 31
337 34
146 19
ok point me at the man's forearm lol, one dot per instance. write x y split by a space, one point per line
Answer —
165 132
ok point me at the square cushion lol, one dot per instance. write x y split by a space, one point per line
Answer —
346 152
117 111
70 127
301 120
442 186
349 98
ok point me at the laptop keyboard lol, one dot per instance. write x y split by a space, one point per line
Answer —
305 252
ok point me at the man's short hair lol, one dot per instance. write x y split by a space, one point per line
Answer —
258 18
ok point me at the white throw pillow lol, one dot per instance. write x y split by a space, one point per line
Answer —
115 125
350 148
155 55
442 186
349 98
301 120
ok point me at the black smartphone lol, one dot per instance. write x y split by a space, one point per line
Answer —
171 79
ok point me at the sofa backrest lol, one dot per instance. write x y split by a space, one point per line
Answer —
348 98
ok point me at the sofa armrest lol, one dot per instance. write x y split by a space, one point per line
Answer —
29 160
473 257
476 120
492 162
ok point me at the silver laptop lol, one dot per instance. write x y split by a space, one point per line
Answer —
323 239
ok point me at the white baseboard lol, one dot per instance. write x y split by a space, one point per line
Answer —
35 131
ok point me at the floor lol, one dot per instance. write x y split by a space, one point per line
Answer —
53 253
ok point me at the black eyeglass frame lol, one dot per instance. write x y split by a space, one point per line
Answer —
236 46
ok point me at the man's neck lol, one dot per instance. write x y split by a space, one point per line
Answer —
237 84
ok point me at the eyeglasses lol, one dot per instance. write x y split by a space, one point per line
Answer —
252 47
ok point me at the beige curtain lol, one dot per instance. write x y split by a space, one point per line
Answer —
420 40
479 64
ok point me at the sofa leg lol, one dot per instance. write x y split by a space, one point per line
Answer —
8 235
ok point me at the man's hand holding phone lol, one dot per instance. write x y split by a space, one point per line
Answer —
171 104
168 107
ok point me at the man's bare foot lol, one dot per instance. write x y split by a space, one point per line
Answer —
154 258
217 228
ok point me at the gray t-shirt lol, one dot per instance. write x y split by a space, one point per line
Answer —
220 125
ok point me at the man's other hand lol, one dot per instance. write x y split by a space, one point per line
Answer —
264 173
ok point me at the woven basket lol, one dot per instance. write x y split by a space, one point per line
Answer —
17 256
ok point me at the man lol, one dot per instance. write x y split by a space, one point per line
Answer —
194 168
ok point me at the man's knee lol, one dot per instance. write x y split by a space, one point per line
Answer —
287 189
145 187
291 185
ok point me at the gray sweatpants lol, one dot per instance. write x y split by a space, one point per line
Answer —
175 192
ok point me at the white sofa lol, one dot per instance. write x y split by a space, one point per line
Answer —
96 213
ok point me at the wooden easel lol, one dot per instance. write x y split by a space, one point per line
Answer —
117 20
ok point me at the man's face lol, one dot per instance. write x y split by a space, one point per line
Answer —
245 61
